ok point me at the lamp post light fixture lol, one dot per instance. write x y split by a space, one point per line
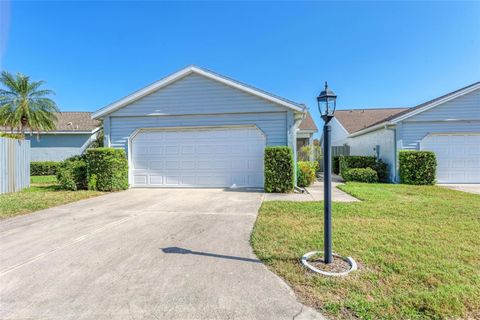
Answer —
327 102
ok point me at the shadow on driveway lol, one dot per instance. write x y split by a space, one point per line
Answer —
177 250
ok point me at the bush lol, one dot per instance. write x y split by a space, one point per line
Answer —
306 173
72 175
417 167
350 162
107 169
17 136
361 175
43 168
336 164
382 170
307 153
279 169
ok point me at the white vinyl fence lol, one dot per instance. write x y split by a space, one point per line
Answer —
14 164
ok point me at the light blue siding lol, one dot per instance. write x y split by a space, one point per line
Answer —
458 115
196 94
57 147
413 132
273 125
466 107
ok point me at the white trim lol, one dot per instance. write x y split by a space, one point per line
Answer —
62 132
189 128
306 131
435 103
182 73
383 125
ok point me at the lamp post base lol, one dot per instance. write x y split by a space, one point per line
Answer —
348 260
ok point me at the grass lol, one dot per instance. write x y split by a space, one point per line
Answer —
43 193
417 247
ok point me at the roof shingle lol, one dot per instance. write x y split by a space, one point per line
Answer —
73 122
308 123
357 119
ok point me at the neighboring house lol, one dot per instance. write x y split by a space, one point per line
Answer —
196 128
448 125
305 132
74 132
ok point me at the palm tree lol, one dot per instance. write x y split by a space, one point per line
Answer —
23 105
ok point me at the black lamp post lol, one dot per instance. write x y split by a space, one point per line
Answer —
327 102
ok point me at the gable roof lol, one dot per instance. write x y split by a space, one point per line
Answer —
308 124
437 101
354 120
200 71
72 122
402 114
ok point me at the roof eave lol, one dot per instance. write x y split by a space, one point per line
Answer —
370 129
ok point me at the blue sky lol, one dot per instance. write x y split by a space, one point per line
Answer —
374 54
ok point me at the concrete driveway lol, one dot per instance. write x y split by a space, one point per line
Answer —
141 254
470 188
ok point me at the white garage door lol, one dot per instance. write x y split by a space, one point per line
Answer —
458 157
198 158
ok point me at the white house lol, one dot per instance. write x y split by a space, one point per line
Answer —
448 125
196 128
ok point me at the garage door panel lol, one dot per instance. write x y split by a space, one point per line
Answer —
203 158
458 156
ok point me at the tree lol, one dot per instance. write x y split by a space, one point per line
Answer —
24 105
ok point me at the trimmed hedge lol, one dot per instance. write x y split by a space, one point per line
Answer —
44 168
306 173
72 175
361 175
279 169
350 162
107 169
417 167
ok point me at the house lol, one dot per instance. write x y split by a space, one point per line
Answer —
305 132
74 132
448 125
196 128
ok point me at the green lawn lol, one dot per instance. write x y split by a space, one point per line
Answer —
417 247
43 193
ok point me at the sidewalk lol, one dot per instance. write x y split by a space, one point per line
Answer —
315 193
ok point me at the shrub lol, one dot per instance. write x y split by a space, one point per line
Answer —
382 170
307 153
107 169
361 175
336 164
279 169
417 167
43 168
18 136
72 175
306 173
350 162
